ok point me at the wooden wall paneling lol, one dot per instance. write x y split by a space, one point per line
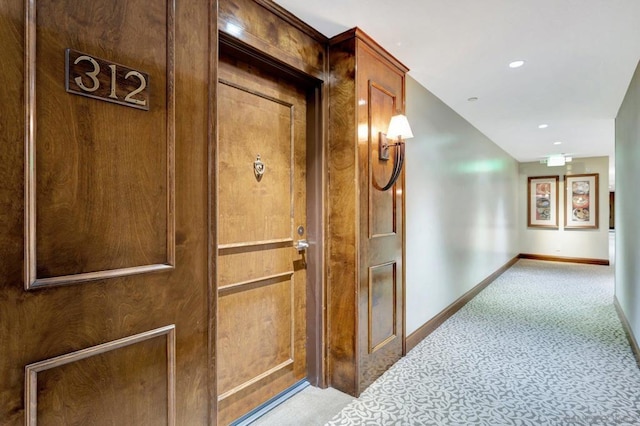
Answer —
383 78
93 142
366 225
342 218
270 29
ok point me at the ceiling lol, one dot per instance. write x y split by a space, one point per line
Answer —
579 58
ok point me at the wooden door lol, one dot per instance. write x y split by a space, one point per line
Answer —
261 275
103 212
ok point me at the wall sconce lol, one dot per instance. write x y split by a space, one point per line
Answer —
398 128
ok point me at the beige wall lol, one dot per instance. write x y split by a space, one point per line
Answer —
461 206
583 243
628 205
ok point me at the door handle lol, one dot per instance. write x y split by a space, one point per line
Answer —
301 245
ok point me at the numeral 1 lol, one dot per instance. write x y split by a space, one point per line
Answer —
113 82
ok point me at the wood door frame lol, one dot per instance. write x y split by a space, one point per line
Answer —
316 289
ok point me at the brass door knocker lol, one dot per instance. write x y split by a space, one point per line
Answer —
258 168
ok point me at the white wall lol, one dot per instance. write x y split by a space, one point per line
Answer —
461 206
628 205
582 243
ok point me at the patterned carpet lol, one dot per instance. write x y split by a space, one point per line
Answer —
542 345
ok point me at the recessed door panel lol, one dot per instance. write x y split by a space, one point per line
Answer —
255 331
382 305
88 386
382 204
100 181
255 205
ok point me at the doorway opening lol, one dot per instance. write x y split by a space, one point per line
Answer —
269 233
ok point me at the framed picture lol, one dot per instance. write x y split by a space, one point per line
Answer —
581 204
542 206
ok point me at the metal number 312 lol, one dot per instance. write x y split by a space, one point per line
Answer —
120 84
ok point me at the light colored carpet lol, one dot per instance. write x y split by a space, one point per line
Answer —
542 345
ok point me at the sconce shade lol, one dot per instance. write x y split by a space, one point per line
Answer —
399 128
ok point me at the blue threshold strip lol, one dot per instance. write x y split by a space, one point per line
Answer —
263 409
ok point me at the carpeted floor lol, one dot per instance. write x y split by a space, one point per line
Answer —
542 345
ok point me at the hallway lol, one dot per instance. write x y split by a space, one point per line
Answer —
541 345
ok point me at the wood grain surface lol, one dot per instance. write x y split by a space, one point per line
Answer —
366 238
102 201
262 295
270 29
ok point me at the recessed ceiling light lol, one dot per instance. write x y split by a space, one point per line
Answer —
516 64
557 143
543 126
472 99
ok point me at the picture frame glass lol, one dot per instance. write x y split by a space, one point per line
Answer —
581 201
543 201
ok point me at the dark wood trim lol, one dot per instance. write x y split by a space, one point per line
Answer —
293 20
316 300
261 50
627 330
603 262
252 55
212 214
427 328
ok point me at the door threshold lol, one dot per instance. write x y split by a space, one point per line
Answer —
269 405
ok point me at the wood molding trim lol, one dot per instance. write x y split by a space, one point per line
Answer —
427 328
32 370
604 262
361 35
627 330
305 53
292 20
212 215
